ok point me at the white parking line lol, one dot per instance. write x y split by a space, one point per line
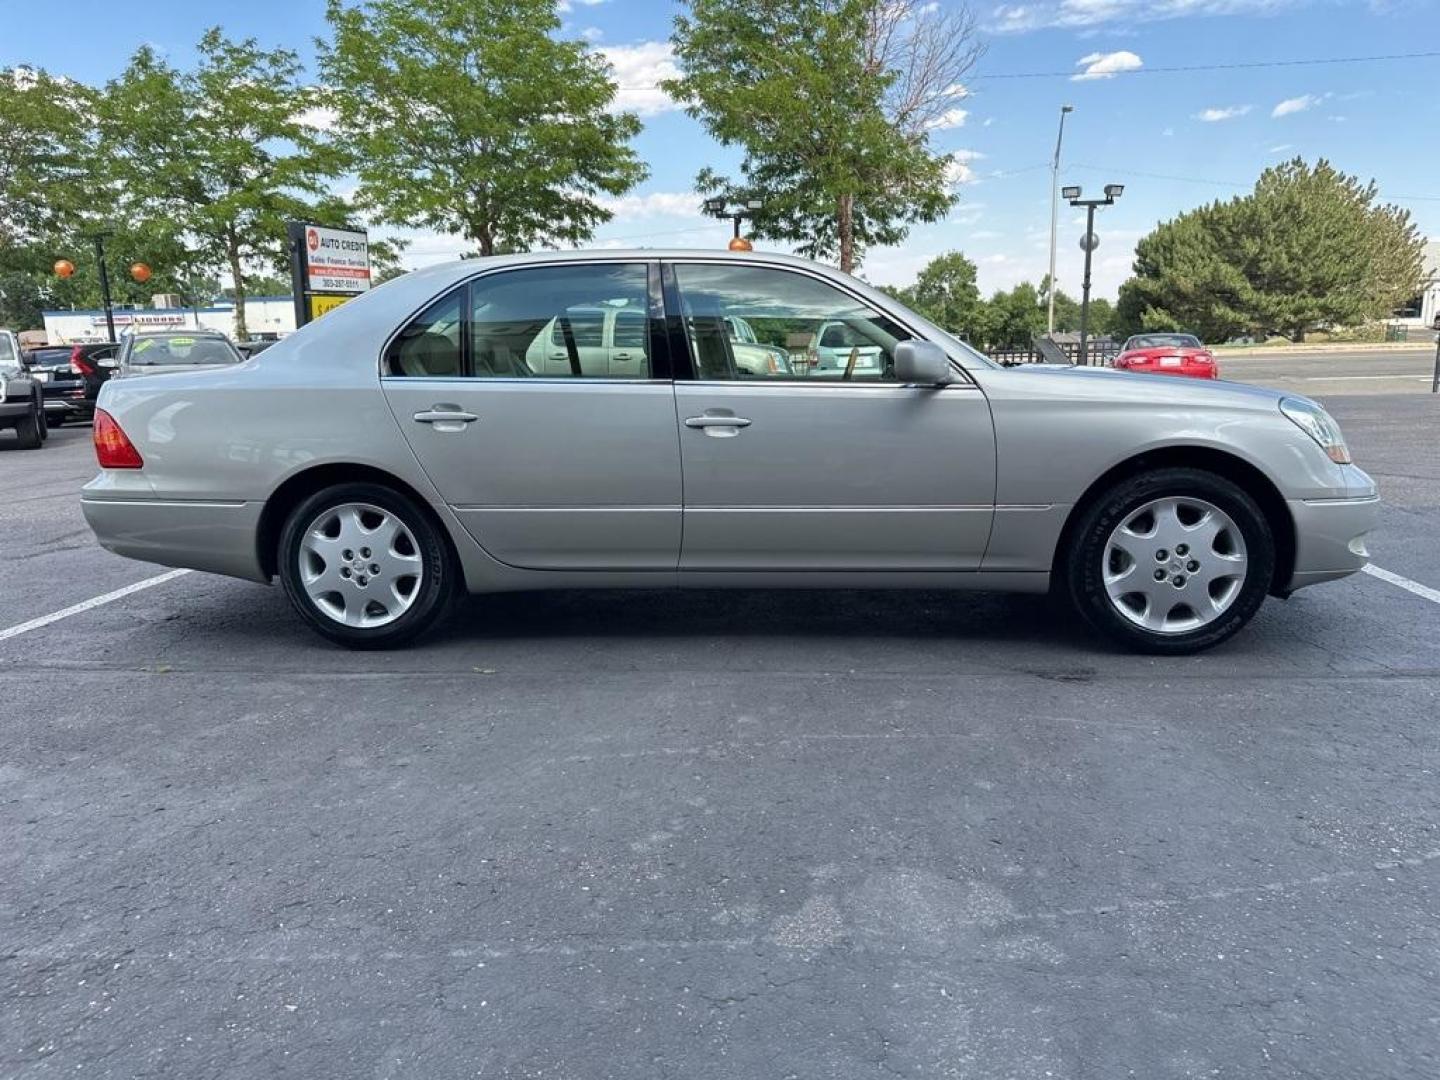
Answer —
1433 595
93 602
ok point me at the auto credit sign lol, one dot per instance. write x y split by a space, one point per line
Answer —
336 260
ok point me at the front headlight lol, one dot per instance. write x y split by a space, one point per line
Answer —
1319 425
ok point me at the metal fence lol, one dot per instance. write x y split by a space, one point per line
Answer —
1098 353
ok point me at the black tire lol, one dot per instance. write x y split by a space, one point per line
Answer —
1083 564
28 430
438 577
44 426
59 420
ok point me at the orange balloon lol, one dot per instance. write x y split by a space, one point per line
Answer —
140 272
739 243
64 268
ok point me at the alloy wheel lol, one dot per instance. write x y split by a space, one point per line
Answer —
1174 565
360 565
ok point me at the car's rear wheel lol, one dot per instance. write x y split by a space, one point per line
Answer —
365 566
1171 561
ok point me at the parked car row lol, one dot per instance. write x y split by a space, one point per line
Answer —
52 385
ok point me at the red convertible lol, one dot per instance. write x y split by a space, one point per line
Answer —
1168 354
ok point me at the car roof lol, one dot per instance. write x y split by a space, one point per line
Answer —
461 269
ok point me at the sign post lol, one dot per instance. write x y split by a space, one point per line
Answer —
327 267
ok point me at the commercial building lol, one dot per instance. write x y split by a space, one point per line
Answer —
263 315
1423 310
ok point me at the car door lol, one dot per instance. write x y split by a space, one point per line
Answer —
787 471
570 469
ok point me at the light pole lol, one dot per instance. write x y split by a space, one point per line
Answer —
105 286
1055 214
718 206
1089 242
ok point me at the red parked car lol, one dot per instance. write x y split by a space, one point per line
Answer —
1168 354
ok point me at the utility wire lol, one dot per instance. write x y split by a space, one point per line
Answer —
1172 69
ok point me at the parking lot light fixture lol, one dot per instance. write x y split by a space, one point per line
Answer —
1088 242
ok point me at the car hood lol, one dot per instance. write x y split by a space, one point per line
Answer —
1092 383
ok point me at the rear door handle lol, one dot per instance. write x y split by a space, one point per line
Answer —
716 422
446 419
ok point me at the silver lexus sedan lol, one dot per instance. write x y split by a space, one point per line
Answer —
410 444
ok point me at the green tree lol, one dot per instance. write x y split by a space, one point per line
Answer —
1309 247
473 117
221 155
1014 318
834 103
945 293
46 145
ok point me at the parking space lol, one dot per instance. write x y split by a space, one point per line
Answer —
763 834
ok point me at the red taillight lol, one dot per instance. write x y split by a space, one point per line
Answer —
79 364
113 447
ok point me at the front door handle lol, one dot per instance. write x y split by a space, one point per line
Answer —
716 422
446 418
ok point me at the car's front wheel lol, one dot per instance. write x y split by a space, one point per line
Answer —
365 566
1171 561
30 430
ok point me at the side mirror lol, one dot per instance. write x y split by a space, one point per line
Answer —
922 362
106 362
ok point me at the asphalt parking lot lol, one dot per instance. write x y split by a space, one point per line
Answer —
839 835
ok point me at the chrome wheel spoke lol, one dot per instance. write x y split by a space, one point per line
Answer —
360 565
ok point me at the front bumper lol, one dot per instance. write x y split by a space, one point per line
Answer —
1330 534
14 410
219 537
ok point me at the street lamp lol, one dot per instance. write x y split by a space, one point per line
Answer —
1055 214
718 206
1089 242
64 268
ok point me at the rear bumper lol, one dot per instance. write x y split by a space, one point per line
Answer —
1330 534
219 537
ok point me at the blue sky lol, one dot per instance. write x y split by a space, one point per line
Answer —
1175 140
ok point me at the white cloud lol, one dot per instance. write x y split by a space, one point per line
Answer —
592 33
564 7
1080 14
988 121
1280 148
319 117
1296 104
639 68
985 234
950 118
1216 114
654 204
1106 65
958 170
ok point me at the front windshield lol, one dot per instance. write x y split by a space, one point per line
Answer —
166 349
1163 341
